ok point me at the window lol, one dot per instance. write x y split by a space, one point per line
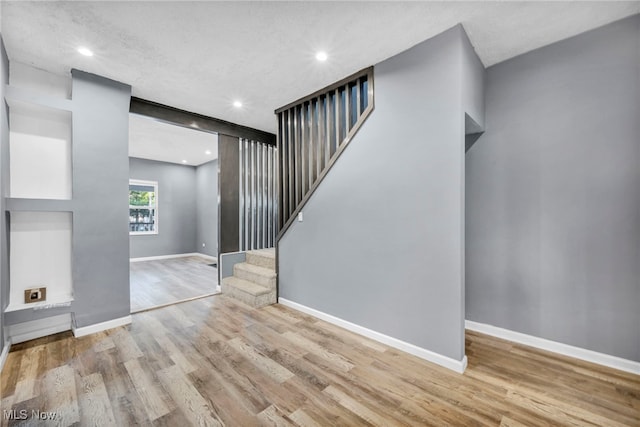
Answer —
143 207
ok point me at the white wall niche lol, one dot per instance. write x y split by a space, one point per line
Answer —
40 255
39 152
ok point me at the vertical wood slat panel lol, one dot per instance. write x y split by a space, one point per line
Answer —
269 198
240 195
265 192
347 109
319 127
252 226
247 187
247 190
311 143
303 150
272 201
258 188
358 96
258 196
256 193
296 157
249 194
291 167
256 200
328 128
282 189
303 155
265 199
276 226
336 108
285 174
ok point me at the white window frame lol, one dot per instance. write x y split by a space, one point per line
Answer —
156 222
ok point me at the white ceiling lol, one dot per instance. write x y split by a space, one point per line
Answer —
155 140
201 56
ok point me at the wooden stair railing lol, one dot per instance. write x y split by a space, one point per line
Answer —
312 133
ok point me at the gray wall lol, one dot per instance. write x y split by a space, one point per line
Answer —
100 184
188 208
381 244
553 194
4 185
207 205
473 85
177 208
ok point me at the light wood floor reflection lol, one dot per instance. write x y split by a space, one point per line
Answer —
161 282
214 361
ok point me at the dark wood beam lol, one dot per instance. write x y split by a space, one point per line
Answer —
191 120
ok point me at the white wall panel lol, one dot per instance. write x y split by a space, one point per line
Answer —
40 152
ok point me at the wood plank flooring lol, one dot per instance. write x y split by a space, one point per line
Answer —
160 282
215 361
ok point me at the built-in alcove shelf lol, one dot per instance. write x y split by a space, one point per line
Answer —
39 150
13 204
39 206
40 256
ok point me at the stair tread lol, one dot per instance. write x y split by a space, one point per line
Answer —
246 286
267 253
256 269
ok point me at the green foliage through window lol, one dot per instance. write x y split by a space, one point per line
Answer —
140 198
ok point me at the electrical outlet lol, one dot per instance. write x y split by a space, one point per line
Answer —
35 295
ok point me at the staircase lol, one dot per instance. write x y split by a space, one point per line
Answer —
253 281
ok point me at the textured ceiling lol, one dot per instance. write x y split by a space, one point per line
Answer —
200 56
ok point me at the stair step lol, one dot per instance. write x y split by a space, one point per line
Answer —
263 258
248 292
245 286
259 275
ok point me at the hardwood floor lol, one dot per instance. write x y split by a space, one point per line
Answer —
214 361
167 281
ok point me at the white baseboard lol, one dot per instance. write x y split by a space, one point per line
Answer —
5 353
447 362
209 257
99 327
556 347
33 329
155 258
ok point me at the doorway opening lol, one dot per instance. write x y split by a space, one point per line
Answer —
173 213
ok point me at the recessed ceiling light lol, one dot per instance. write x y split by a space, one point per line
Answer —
208 152
321 56
184 161
84 51
237 104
